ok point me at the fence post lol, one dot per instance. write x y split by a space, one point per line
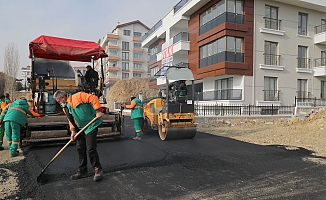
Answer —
295 101
249 109
272 109
315 101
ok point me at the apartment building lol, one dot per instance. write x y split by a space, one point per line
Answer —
258 52
126 57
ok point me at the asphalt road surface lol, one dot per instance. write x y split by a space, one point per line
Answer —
206 167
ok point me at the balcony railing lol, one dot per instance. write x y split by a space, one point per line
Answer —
303 94
272 59
184 36
222 18
304 63
271 23
156 26
320 28
179 5
227 94
320 62
271 95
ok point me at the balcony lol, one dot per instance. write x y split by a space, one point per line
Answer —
110 79
271 61
140 70
112 69
320 67
272 26
154 28
138 60
303 95
112 58
271 95
179 5
304 65
320 34
181 42
222 18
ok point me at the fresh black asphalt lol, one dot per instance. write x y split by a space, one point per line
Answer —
205 167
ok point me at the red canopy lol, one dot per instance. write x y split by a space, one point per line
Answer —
65 49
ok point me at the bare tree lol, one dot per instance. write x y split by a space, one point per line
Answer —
11 66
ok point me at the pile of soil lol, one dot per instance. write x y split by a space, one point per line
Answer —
122 90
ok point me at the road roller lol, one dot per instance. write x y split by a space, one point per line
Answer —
171 115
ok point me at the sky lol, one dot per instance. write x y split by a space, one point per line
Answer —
21 21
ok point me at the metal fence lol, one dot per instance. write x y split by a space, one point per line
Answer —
239 110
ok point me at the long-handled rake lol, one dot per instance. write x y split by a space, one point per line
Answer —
39 177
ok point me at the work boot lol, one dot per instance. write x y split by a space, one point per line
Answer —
15 154
98 174
2 148
137 138
78 175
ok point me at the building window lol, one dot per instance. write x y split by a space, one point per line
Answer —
136 75
138 55
125 55
323 90
137 45
113 52
271 17
113 42
303 60
137 34
138 66
221 12
126 32
270 89
224 88
302 88
270 53
224 49
125 45
125 76
154 70
323 58
125 66
302 23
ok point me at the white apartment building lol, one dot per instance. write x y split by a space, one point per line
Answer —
126 57
258 52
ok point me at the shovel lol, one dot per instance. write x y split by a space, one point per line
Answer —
39 177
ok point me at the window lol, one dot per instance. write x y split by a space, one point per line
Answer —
303 61
125 76
137 34
125 45
323 90
126 32
136 75
271 17
125 66
227 48
302 23
113 52
154 70
138 55
270 53
302 88
323 58
224 88
137 45
125 55
138 66
270 89
113 42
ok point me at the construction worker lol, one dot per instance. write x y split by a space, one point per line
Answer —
137 115
2 128
80 109
91 77
13 117
7 98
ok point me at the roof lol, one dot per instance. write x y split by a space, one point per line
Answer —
56 48
130 23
